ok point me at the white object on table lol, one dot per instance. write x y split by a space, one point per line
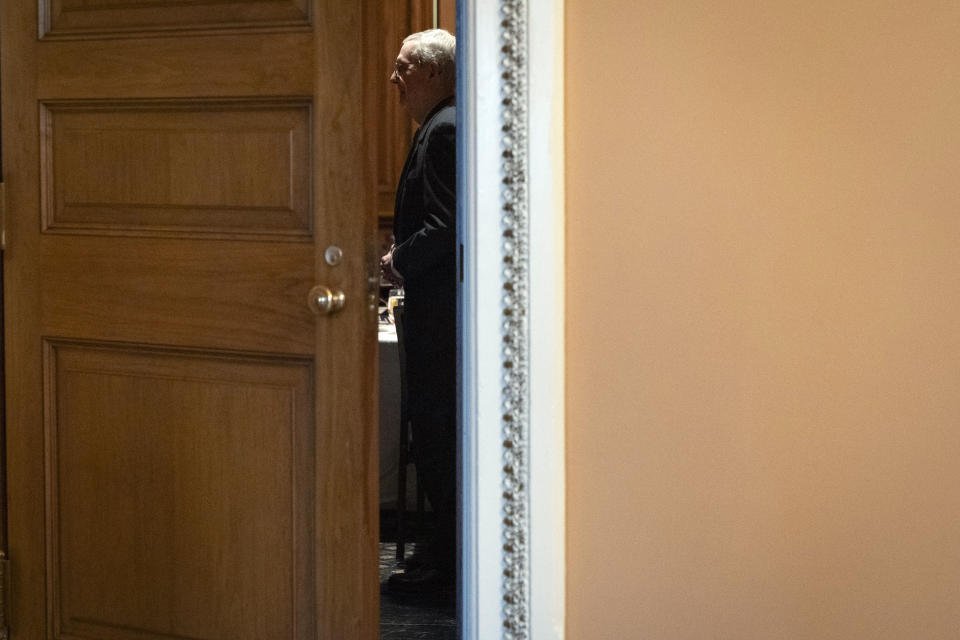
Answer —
390 422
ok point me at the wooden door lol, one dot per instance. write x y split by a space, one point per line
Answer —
191 451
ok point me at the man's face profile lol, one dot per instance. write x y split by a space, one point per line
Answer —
413 81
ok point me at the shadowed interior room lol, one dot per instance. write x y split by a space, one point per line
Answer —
405 514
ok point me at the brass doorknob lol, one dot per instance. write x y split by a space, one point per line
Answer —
323 301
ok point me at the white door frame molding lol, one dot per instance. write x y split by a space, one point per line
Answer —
510 83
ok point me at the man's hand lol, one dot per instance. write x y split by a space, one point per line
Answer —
387 270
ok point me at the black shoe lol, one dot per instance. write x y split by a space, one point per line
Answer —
424 579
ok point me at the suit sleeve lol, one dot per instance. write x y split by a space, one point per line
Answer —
433 245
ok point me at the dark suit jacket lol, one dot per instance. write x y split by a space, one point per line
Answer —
424 230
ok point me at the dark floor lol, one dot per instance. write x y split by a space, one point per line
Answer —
430 616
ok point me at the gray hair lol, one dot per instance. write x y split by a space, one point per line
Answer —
436 46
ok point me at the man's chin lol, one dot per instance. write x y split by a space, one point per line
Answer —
402 101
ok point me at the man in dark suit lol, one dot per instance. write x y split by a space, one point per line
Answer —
423 258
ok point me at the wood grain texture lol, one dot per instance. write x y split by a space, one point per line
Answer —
348 518
153 168
179 493
186 304
209 66
86 18
24 410
447 15
176 292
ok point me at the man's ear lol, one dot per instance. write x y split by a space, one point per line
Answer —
434 69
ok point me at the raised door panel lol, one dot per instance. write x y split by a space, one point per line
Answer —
157 168
228 295
228 66
179 494
91 18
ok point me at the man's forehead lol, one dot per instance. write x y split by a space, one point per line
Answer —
406 51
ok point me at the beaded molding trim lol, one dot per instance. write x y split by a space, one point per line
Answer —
514 367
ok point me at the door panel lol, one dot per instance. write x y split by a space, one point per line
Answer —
174 291
155 167
191 452
226 65
172 474
76 17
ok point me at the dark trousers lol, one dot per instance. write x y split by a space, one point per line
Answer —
429 320
435 455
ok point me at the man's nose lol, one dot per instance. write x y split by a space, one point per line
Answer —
393 77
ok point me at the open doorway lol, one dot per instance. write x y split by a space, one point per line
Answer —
410 605
511 233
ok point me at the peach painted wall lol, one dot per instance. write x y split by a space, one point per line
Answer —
763 325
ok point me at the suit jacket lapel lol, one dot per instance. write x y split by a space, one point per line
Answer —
417 139
401 185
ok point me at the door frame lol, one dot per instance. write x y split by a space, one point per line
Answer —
511 222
